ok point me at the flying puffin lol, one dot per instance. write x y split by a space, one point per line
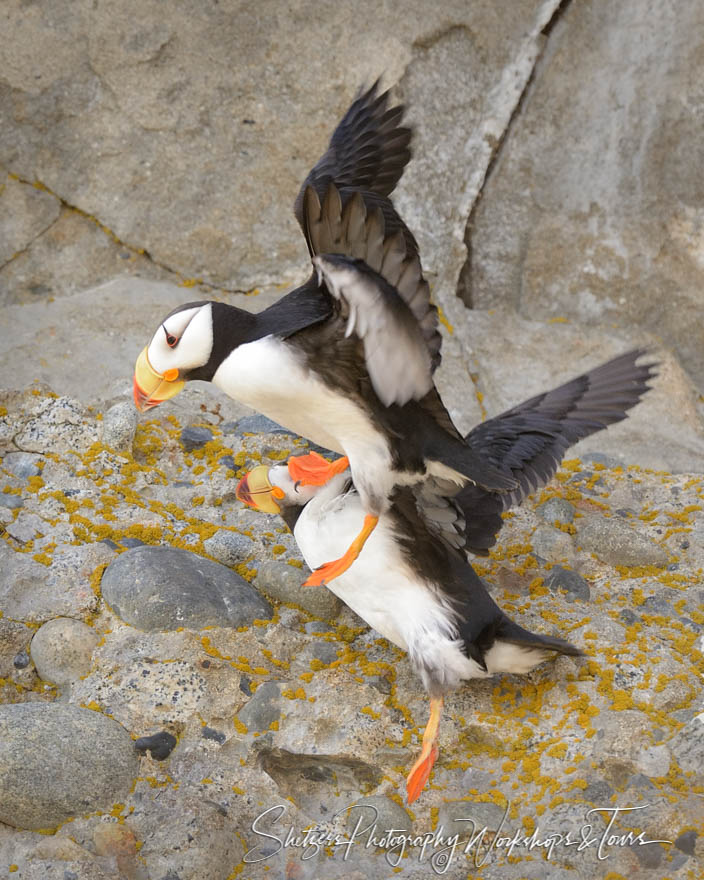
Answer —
412 582
347 359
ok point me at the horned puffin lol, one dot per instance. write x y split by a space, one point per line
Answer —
412 581
347 359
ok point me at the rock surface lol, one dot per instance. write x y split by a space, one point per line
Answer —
165 588
140 161
61 650
316 715
59 761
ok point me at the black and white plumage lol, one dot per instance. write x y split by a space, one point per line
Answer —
412 582
367 393
529 441
413 590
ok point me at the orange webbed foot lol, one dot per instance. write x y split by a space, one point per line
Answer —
330 570
314 470
420 773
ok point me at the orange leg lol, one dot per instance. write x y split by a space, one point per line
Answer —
314 470
420 771
325 573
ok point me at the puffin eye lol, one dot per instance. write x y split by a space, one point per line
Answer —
170 340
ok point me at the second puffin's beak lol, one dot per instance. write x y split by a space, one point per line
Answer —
255 490
151 388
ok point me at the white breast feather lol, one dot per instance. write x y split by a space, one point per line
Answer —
382 588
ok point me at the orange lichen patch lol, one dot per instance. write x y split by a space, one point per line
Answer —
282 664
291 694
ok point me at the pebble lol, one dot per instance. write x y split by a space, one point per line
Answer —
166 588
230 548
14 639
261 710
22 464
325 652
556 510
573 583
284 583
552 544
613 541
21 660
159 745
61 650
213 735
59 761
686 842
195 437
119 426
452 815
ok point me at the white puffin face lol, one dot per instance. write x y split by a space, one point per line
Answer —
294 492
269 489
183 341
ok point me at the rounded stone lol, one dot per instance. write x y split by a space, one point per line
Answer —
58 761
166 588
284 583
21 464
62 648
616 543
230 548
119 426
556 510
552 544
573 583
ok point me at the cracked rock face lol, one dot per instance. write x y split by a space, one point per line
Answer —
594 211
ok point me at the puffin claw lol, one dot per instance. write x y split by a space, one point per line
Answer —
420 773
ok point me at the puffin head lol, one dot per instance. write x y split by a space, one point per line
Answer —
269 489
180 350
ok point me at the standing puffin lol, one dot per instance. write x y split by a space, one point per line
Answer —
412 582
347 359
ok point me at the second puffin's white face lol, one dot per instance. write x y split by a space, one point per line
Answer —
294 493
183 341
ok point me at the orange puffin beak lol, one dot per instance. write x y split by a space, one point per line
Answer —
151 388
255 490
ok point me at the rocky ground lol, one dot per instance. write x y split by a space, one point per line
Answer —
141 600
164 679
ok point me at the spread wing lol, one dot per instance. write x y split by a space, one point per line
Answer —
395 352
367 152
529 441
353 230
